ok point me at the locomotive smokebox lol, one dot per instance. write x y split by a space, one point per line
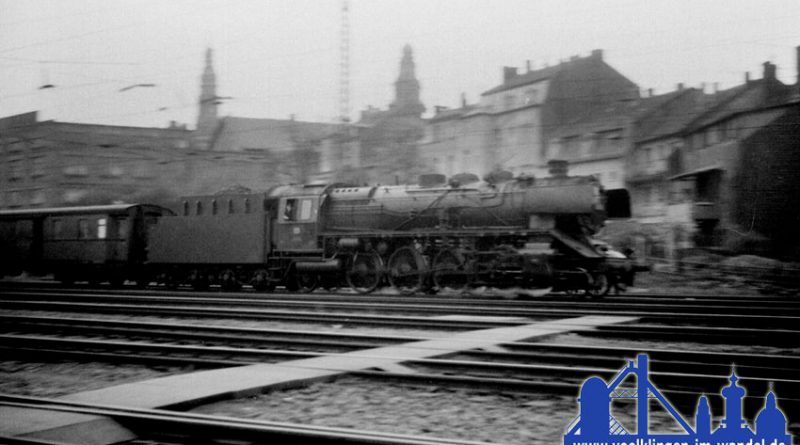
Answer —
558 168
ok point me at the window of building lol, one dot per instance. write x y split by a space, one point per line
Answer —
76 170
230 207
247 208
115 171
14 199
38 197
214 207
185 208
15 169
83 229
142 169
198 208
530 96
101 228
73 195
37 167
508 101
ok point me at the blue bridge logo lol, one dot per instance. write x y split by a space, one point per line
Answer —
595 424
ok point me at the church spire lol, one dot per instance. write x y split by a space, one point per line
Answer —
406 100
207 117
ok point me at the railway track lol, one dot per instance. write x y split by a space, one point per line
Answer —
162 426
746 312
520 366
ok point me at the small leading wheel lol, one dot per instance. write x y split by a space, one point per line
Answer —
450 270
364 271
407 270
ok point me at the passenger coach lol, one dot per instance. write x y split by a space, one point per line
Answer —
91 243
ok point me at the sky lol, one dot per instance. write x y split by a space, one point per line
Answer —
276 58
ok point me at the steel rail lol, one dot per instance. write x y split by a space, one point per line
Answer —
777 320
153 423
746 307
564 365
745 296
322 340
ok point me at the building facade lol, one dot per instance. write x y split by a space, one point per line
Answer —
49 163
570 111
739 164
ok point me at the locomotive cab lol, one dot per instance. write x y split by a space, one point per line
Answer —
296 228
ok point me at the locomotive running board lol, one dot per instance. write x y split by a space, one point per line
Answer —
188 390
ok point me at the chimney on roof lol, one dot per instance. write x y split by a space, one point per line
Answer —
703 87
463 100
528 65
680 86
769 71
649 92
716 87
597 54
558 168
747 77
509 72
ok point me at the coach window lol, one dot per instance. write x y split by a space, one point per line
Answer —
199 208
58 229
24 229
83 229
185 208
247 208
101 228
122 228
230 207
213 206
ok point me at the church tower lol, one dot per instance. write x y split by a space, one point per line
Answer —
207 118
406 98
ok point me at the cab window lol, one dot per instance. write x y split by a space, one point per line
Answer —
305 209
290 210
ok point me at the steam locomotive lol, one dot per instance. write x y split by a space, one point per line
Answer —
528 233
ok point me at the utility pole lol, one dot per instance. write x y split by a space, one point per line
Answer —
344 63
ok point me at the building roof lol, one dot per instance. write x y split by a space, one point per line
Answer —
528 78
241 134
752 95
667 114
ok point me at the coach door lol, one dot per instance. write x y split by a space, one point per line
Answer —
296 229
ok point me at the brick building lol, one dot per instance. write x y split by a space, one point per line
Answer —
48 163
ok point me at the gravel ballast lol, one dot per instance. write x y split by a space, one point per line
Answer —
453 413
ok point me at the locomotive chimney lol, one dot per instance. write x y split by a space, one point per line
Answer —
558 168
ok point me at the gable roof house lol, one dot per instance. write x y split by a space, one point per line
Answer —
741 157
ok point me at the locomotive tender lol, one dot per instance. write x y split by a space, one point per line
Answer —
522 232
